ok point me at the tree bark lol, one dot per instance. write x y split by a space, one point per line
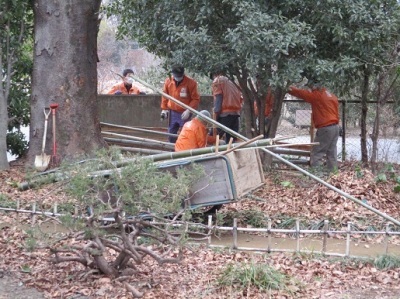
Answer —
65 72
363 121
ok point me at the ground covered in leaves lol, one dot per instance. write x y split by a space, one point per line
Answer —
27 272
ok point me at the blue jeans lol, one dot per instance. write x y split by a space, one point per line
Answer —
175 123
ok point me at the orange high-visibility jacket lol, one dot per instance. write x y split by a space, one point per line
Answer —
324 105
186 92
269 102
121 87
193 135
231 95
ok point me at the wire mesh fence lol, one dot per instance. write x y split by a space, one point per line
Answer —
296 121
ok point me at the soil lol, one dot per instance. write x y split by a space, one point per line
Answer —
30 274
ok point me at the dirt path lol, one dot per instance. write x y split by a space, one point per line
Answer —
11 287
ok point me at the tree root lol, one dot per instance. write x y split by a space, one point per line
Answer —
135 293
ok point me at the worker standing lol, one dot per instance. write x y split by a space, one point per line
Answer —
194 134
126 86
184 89
227 103
325 115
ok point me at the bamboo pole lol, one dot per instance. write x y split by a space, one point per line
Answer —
240 145
139 129
325 236
144 151
237 135
297 235
209 226
167 144
147 144
348 236
235 234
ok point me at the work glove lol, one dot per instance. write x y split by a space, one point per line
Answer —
185 115
164 114
118 92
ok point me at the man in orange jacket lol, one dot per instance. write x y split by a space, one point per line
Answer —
126 86
194 134
325 115
184 89
227 103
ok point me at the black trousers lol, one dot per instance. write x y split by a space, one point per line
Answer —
230 121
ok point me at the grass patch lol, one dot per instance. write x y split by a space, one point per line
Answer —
261 276
386 262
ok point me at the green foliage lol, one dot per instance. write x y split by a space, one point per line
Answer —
387 262
138 187
30 241
16 143
287 184
16 36
7 202
381 178
253 218
259 275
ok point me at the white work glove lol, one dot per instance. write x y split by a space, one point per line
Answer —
185 115
164 114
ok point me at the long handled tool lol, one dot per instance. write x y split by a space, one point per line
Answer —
42 160
54 158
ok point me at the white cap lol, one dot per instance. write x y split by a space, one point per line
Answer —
205 112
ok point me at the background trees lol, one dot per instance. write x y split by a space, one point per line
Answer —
274 43
16 21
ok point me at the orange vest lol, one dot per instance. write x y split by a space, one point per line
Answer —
121 87
186 92
192 136
231 94
324 105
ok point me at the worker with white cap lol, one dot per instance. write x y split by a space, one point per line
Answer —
194 134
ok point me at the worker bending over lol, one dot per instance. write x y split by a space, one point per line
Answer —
194 134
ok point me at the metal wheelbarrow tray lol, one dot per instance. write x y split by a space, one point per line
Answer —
227 177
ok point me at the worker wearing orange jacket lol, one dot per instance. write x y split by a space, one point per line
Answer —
325 115
269 103
227 104
184 89
126 86
194 134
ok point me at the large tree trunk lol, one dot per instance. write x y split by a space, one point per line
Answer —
65 72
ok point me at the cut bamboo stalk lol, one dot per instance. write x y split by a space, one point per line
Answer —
145 151
325 236
230 143
209 230
348 239
140 130
235 234
297 235
243 144
136 138
269 235
147 144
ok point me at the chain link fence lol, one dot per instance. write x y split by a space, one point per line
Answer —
296 121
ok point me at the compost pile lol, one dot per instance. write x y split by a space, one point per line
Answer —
25 273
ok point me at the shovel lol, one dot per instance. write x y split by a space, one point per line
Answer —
42 161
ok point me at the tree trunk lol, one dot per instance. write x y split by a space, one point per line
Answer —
3 126
65 72
364 110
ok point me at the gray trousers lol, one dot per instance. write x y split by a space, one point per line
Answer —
327 138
